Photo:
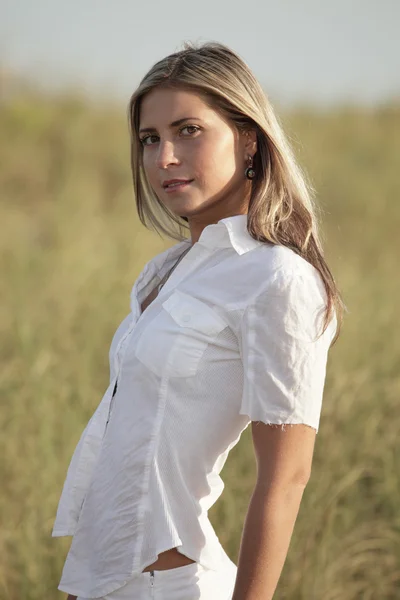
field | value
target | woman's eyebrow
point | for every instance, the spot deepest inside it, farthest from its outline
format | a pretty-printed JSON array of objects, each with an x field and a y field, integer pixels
[{"x": 173, "y": 124}]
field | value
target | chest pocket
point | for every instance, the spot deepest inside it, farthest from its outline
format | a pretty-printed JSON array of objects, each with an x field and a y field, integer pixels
[{"x": 178, "y": 335}]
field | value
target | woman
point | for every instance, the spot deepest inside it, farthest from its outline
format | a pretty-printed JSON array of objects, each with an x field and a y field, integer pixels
[{"x": 229, "y": 326}]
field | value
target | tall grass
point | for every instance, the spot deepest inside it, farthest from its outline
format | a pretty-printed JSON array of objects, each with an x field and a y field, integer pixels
[{"x": 71, "y": 248}]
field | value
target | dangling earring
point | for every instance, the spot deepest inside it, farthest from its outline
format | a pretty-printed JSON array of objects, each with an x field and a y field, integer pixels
[{"x": 250, "y": 172}]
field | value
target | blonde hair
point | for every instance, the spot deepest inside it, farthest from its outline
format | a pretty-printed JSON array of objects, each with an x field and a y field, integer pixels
[{"x": 281, "y": 208}]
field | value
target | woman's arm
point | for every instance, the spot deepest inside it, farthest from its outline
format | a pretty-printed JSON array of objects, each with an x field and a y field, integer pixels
[{"x": 284, "y": 456}]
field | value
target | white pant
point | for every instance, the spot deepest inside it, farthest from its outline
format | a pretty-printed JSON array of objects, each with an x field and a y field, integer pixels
[{"x": 190, "y": 582}]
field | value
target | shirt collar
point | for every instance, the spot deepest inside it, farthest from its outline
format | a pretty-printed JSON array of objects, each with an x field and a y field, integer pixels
[
  {"x": 227, "y": 233},
  {"x": 230, "y": 231}
]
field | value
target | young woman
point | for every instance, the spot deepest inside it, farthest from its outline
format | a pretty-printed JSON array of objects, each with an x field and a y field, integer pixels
[{"x": 230, "y": 325}]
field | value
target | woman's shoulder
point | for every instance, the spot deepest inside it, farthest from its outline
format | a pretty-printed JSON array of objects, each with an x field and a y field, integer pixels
[
  {"x": 279, "y": 265},
  {"x": 295, "y": 287}
]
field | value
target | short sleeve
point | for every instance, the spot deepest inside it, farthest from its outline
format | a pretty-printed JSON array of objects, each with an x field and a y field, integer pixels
[{"x": 284, "y": 360}]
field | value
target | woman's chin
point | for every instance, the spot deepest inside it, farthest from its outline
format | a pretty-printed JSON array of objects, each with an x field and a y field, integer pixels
[{"x": 183, "y": 208}]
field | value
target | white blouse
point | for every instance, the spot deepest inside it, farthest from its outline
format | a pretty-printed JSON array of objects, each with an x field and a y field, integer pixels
[{"x": 230, "y": 339}]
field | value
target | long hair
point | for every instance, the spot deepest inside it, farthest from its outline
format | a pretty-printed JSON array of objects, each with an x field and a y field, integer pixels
[{"x": 281, "y": 208}]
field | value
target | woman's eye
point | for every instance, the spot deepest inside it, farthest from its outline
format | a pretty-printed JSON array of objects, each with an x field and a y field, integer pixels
[
  {"x": 144, "y": 140},
  {"x": 190, "y": 127}
]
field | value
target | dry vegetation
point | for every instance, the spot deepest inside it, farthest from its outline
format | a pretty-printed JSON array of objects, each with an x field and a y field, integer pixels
[{"x": 71, "y": 248}]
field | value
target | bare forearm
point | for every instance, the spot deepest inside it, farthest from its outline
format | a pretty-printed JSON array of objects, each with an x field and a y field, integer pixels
[{"x": 265, "y": 540}]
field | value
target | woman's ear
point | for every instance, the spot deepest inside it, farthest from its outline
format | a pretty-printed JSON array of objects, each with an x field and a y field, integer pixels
[{"x": 250, "y": 142}]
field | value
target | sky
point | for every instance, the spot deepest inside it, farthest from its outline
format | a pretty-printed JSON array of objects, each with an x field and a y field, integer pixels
[{"x": 317, "y": 52}]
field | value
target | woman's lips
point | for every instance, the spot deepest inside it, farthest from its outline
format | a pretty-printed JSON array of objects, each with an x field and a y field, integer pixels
[{"x": 178, "y": 186}]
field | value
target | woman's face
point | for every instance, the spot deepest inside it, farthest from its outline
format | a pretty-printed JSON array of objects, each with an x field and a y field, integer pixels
[{"x": 183, "y": 138}]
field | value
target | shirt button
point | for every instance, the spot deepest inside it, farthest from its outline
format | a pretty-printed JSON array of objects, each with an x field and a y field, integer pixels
[{"x": 186, "y": 318}]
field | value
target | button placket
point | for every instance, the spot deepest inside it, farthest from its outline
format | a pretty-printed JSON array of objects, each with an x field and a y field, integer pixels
[{"x": 119, "y": 353}]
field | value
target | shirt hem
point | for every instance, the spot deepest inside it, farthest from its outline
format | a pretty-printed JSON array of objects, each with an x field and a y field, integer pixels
[{"x": 61, "y": 532}]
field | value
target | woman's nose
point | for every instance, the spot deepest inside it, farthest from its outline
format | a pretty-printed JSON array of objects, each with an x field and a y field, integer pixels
[{"x": 166, "y": 155}]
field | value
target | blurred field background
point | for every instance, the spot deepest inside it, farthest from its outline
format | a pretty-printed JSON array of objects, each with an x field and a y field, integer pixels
[{"x": 71, "y": 248}]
